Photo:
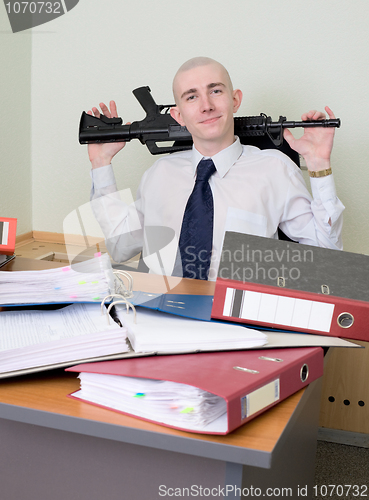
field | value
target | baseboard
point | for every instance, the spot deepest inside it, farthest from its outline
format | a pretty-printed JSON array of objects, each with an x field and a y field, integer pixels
[
  {"x": 23, "y": 239},
  {"x": 48, "y": 237},
  {"x": 61, "y": 238},
  {"x": 42, "y": 236},
  {"x": 68, "y": 239},
  {"x": 349, "y": 438}
]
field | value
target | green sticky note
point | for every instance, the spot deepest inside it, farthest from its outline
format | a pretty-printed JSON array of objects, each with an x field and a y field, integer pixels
[{"x": 187, "y": 410}]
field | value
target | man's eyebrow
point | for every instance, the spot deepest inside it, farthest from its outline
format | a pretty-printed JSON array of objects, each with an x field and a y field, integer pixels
[
  {"x": 217, "y": 84},
  {"x": 189, "y": 91},
  {"x": 209, "y": 86}
]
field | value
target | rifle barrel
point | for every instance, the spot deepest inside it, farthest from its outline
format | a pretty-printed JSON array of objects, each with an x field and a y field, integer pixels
[{"x": 336, "y": 122}]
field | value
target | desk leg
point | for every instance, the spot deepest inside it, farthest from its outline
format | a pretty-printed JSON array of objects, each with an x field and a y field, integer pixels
[{"x": 233, "y": 480}]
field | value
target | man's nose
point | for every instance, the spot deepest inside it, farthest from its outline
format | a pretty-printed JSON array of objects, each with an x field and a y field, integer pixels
[{"x": 206, "y": 104}]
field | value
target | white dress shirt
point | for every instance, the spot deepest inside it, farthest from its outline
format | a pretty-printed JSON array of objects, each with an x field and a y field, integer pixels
[{"x": 254, "y": 192}]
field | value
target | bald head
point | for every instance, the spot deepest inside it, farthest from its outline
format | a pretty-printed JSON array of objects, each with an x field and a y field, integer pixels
[
  {"x": 205, "y": 104},
  {"x": 197, "y": 62}
]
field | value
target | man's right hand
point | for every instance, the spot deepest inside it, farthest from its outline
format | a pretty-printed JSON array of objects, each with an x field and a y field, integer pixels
[{"x": 101, "y": 154}]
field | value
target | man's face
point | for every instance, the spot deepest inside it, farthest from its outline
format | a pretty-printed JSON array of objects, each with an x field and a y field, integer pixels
[{"x": 205, "y": 105}]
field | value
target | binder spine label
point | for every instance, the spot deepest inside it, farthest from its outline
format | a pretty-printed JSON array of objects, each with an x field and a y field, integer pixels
[
  {"x": 260, "y": 399},
  {"x": 278, "y": 309},
  {"x": 4, "y": 231}
]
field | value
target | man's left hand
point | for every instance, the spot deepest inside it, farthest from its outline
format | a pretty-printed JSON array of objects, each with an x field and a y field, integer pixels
[{"x": 316, "y": 143}]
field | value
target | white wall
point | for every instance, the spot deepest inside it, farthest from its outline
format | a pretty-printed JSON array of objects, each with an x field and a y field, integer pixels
[
  {"x": 287, "y": 56},
  {"x": 15, "y": 125}
]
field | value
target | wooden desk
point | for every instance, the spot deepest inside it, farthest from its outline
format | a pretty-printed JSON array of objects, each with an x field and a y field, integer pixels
[{"x": 54, "y": 447}]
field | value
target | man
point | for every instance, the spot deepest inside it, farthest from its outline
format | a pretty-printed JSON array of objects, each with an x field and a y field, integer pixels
[{"x": 246, "y": 190}]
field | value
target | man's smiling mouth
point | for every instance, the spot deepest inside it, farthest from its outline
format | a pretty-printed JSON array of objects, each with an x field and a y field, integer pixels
[{"x": 210, "y": 120}]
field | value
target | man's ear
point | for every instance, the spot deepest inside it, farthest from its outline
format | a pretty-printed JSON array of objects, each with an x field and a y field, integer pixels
[
  {"x": 237, "y": 99},
  {"x": 176, "y": 115}
]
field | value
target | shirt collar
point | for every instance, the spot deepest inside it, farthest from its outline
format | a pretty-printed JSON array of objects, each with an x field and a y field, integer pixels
[{"x": 222, "y": 160}]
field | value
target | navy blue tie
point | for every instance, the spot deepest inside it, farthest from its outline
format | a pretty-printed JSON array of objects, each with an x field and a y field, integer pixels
[{"x": 196, "y": 239}]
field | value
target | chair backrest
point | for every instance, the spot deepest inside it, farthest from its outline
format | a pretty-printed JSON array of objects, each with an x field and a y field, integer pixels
[{"x": 263, "y": 142}]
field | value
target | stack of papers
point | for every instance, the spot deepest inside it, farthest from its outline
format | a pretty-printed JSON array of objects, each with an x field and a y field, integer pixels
[
  {"x": 88, "y": 281},
  {"x": 168, "y": 403},
  {"x": 79, "y": 332},
  {"x": 161, "y": 332}
]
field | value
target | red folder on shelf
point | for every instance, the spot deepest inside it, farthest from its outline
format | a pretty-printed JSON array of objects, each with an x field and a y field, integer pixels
[
  {"x": 291, "y": 286},
  {"x": 249, "y": 382},
  {"x": 8, "y": 229}
]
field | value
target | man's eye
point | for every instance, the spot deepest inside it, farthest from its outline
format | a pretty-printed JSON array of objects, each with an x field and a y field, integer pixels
[
  {"x": 217, "y": 91},
  {"x": 191, "y": 98}
]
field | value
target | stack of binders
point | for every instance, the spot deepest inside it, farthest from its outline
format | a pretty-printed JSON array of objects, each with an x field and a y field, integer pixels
[
  {"x": 292, "y": 286},
  {"x": 272, "y": 284}
]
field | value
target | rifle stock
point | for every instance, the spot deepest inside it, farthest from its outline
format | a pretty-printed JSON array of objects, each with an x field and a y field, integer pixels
[{"x": 158, "y": 127}]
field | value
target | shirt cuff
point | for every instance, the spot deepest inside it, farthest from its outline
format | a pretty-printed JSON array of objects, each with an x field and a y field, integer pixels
[
  {"x": 324, "y": 190},
  {"x": 103, "y": 177}
]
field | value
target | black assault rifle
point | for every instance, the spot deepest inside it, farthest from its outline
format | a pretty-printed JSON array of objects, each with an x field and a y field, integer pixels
[{"x": 159, "y": 127}]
